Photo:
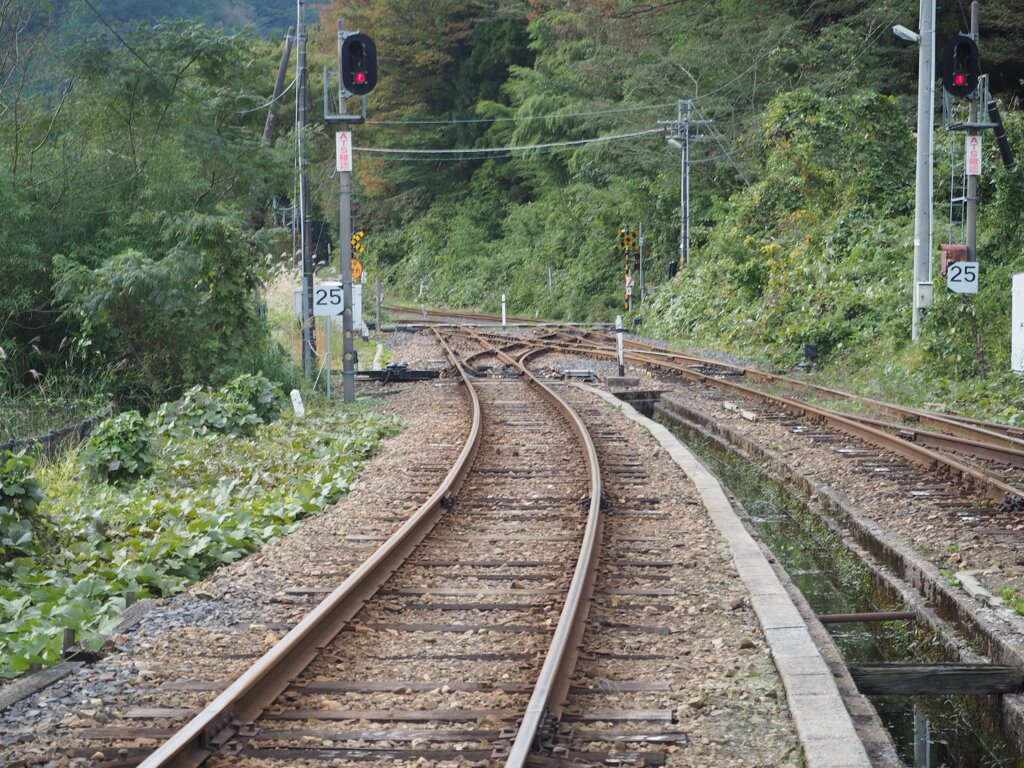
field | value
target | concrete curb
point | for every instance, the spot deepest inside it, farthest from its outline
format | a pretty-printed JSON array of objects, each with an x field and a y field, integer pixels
[{"x": 824, "y": 726}]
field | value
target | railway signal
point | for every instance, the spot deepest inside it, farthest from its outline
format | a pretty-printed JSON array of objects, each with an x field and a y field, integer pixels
[
  {"x": 960, "y": 66},
  {"x": 358, "y": 64}
]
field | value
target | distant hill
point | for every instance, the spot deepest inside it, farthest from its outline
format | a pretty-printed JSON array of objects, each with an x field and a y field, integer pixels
[{"x": 270, "y": 18}]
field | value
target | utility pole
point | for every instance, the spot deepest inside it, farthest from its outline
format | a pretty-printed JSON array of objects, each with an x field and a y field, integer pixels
[
  {"x": 684, "y": 184},
  {"x": 680, "y": 139},
  {"x": 282, "y": 72},
  {"x": 971, "y": 230},
  {"x": 308, "y": 330},
  {"x": 925, "y": 178}
]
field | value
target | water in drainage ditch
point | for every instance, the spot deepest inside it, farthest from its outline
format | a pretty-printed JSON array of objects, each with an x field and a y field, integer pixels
[{"x": 950, "y": 732}]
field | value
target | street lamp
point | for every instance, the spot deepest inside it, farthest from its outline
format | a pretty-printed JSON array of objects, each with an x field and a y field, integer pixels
[{"x": 925, "y": 39}]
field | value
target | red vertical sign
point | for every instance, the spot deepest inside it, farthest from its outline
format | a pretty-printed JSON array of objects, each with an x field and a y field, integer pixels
[{"x": 343, "y": 150}]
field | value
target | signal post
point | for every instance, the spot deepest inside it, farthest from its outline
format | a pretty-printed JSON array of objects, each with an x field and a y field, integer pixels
[{"x": 357, "y": 71}]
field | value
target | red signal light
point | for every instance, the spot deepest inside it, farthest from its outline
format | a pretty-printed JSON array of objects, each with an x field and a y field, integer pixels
[
  {"x": 960, "y": 79},
  {"x": 360, "y": 78}
]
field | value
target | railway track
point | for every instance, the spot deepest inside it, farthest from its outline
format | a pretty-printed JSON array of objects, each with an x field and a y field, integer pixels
[
  {"x": 504, "y": 556},
  {"x": 984, "y": 456}
]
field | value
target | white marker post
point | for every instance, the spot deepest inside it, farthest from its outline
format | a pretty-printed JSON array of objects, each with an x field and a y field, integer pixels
[
  {"x": 618, "y": 344},
  {"x": 503, "y": 311},
  {"x": 1017, "y": 332}
]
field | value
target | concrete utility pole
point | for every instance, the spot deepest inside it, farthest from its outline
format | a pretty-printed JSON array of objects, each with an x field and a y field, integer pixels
[
  {"x": 971, "y": 229},
  {"x": 925, "y": 178},
  {"x": 308, "y": 330},
  {"x": 282, "y": 72},
  {"x": 680, "y": 139}
]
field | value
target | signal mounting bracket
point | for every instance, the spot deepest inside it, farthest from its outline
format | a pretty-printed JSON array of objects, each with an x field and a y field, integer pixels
[{"x": 343, "y": 118}]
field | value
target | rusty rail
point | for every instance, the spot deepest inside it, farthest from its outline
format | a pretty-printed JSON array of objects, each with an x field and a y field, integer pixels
[
  {"x": 249, "y": 695},
  {"x": 993, "y": 487},
  {"x": 552, "y": 686}
]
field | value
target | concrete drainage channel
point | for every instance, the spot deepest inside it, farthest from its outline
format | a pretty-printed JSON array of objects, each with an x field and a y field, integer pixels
[{"x": 845, "y": 563}]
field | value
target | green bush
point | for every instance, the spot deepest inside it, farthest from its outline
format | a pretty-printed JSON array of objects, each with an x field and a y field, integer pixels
[
  {"x": 22, "y": 527},
  {"x": 235, "y": 409},
  {"x": 120, "y": 448},
  {"x": 263, "y": 396}
]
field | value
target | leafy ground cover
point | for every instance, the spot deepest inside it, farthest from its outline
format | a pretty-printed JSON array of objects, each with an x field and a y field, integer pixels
[{"x": 211, "y": 498}]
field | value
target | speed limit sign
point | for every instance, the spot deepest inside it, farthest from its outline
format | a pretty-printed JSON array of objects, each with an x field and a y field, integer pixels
[{"x": 962, "y": 277}]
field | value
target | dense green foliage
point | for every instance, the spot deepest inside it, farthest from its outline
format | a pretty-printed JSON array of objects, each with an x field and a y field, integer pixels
[
  {"x": 801, "y": 181},
  {"x": 120, "y": 448},
  {"x": 22, "y": 527},
  {"x": 136, "y": 193},
  {"x": 210, "y": 499},
  {"x": 141, "y": 152}
]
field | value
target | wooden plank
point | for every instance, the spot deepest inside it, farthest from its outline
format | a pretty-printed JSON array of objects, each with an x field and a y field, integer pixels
[
  {"x": 640, "y": 630},
  {"x": 457, "y": 592},
  {"x": 844, "y": 618},
  {"x": 119, "y": 732},
  {"x": 378, "y": 734},
  {"x": 577, "y": 758},
  {"x": 401, "y": 686},
  {"x": 419, "y": 686},
  {"x": 621, "y": 716},
  {"x": 923, "y": 679},
  {"x": 161, "y": 713},
  {"x": 467, "y": 715},
  {"x": 456, "y": 628},
  {"x": 29, "y": 684},
  {"x": 464, "y": 657},
  {"x": 484, "y": 563},
  {"x": 646, "y": 563},
  {"x": 325, "y": 754},
  {"x": 399, "y": 715},
  {"x": 114, "y": 733},
  {"x": 468, "y": 606}
]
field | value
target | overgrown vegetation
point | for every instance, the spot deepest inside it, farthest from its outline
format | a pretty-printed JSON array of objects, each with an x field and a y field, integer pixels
[
  {"x": 802, "y": 181},
  {"x": 214, "y": 490}
]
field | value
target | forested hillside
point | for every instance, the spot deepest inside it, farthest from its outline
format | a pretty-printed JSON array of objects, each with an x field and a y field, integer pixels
[
  {"x": 802, "y": 178},
  {"x": 522, "y": 135},
  {"x": 73, "y": 20}
]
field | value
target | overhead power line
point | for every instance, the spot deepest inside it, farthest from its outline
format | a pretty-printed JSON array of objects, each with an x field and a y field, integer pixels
[
  {"x": 460, "y": 121},
  {"x": 269, "y": 103},
  {"x": 498, "y": 150}
]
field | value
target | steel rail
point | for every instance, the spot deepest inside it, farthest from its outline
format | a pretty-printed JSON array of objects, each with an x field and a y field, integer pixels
[
  {"x": 552, "y": 686},
  {"x": 980, "y": 431},
  {"x": 966, "y": 439},
  {"x": 256, "y": 688},
  {"x": 993, "y": 487}
]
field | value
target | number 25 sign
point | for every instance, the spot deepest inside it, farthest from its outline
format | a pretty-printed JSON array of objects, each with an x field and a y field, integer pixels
[{"x": 962, "y": 277}]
